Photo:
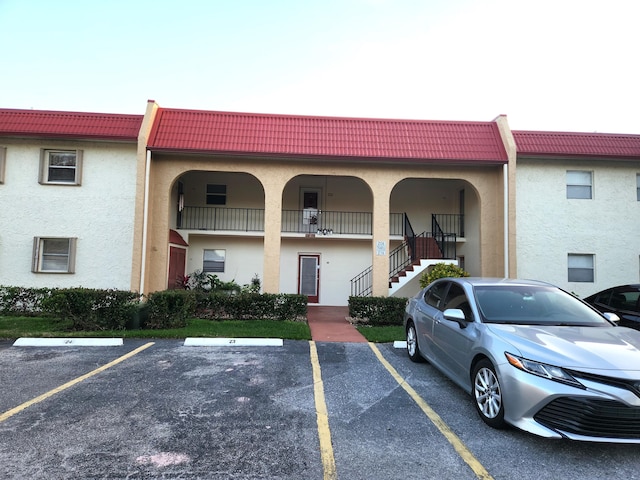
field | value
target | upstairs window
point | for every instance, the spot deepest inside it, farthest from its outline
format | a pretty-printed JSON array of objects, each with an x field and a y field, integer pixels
[
  {"x": 638, "y": 186},
  {"x": 54, "y": 255},
  {"x": 3, "y": 154},
  {"x": 580, "y": 268},
  {"x": 213, "y": 261},
  {"x": 579, "y": 184},
  {"x": 216, "y": 194},
  {"x": 60, "y": 167}
]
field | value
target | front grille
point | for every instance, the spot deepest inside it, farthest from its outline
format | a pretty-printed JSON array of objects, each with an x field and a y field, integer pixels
[{"x": 591, "y": 418}]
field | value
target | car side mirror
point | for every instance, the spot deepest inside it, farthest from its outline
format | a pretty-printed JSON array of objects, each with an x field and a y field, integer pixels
[
  {"x": 612, "y": 317},
  {"x": 456, "y": 315}
]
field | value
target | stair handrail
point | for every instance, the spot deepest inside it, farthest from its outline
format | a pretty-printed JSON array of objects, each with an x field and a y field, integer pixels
[
  {"x": 362, "y": 284},
  {"x": 441, "y": 239}
]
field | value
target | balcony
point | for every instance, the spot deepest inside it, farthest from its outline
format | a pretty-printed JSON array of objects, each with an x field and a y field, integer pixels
[{"x": 322, "y": 222}]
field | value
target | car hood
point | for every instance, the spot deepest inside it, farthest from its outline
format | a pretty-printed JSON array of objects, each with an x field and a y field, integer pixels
[{"x": 589, "y": 349}]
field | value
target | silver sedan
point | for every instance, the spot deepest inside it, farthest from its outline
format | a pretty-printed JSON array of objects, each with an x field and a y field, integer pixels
[{"x": 532, "y": 356}]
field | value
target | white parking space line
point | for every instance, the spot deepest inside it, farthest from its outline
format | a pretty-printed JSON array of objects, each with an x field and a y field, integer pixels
[
  {"x": 232, "y": 342},
  {"x": 68, "y": 342}
]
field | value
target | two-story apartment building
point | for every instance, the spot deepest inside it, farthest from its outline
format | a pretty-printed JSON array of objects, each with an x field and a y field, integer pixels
[
  {"x": 309, "y": 203},
  {"x": 67, "y": 196},
  {"x": 578, "y": 209},
  {"x": 323, "y": 206}
]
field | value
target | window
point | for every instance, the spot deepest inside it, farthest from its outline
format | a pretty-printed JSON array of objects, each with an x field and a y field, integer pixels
[
  {"x": 3, "y": 154},
  {"x": 638, "y": 186},
  {"x": 581, "y": 267},
  {"x": 434, "y": 296},
  {"x": 216, "y": 194},
  {"x": 579, "y": 184},
  {"x": 60, "y": 167},
  {"x": 213, "y": 261},
  {"x": 456, "y": 298},
  {"x": 54, "y": 255}
]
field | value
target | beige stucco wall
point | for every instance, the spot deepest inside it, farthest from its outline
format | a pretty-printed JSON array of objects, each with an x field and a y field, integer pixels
[
  {"x": 274, "y": 176},
  {"x": 140, "y": 214}
]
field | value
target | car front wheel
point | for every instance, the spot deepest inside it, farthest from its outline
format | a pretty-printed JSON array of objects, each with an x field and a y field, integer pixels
[
  {"x": 412, "y": 343},
  {"x": 488, "y": 394}
]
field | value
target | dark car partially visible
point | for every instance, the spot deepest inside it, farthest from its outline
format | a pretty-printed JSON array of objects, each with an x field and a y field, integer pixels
[{"x": 623, "y": 300}]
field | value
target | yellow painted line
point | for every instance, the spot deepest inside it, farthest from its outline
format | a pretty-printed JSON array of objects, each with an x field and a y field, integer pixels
[
  {"x": 50, "y": 393},
  {"x": 453, "y": 439},
  {"x": 324, "y": 434}
]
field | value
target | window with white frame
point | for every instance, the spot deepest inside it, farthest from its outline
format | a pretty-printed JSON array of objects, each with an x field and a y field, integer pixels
[
  {"x": 216, "y": 194},
  {"x": 579, "y": 184},
  {"x": 213, "y": 261},
  {"x": 61, "y": 167},
  {"x": 580, "y": 267},
  {"x": 3, "y": 154},
  {"x": 54, "y": 255}
]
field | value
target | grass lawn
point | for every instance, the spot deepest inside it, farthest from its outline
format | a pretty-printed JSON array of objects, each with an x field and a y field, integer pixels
[
  {"x": 386, "y": 334},
  {"x": 16, "y": 327}
]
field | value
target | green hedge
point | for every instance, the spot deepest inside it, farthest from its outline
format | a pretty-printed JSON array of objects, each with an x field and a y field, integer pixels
[
  {"x": 377, "y": 310},
  {"x": 169, "y": 309},
  {"x": 91, "y": 309},
  {"x": 250, "y": 306},
  {"x": 22, "y": 301}
]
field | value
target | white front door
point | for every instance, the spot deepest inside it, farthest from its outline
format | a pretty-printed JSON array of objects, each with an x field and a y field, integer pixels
[{"x": 309, "y": 276}]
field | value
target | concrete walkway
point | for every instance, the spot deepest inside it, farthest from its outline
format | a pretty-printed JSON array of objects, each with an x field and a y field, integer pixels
[{"x": 330, "y": 324}]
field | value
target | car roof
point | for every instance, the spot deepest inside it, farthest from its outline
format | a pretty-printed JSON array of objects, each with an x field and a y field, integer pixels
[
  {"x": 629, "y": 286},
  {"x": 496, "y": 281}
]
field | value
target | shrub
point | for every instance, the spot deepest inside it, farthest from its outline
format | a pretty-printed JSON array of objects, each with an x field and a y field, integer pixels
[
  {"x": 441, "y": 270},
  {"x": 250, "y": 306},
  {"x": 377, "y": 310},
  {"x": 22, "y": 301},
  {"x": 170, "y": 309},
  {"x": 205, "y": 282},
  {"x": 90, "y": 309}
]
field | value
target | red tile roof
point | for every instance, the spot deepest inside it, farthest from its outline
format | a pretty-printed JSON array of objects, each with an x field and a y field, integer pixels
[
  {"x": 601, "y": 145},
  {"x": 50, "y": 124},
  {"x": 333, "y": 137}
]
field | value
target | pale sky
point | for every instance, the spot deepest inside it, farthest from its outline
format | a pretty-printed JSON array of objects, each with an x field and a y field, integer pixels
[{"x": 560, "y": 65}]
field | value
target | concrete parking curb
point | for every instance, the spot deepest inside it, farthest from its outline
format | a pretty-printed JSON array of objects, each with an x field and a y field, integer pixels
[
  {"x": 399, "y": 344},
  {"x": 68, "y": 342},
  {"x": 232, "y": 342}
]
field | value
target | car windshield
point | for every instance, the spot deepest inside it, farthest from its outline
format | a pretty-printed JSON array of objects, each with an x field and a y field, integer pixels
[{"x": 534, "y": 305}]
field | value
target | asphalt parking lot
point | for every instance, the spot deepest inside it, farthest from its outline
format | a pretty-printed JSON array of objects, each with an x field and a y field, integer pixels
[{"x": 303, "y": 410}]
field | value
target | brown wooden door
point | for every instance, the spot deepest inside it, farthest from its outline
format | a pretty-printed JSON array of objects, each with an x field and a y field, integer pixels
[{"x": 177, "y": 262}]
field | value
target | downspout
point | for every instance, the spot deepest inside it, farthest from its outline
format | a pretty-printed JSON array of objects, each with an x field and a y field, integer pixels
[
  {"x": 145, "y": 221},
  {"x": 505, "y": 177}
]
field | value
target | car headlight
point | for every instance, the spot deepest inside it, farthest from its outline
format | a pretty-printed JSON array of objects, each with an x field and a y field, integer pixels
[{"x": 543, "y": 370}]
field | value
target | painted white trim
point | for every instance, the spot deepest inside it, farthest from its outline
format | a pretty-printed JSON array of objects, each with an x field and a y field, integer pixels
[
  {"x": 145, "y": 220},
  {"x": 68, "y": 342},
  {"x": 232, "y": 342},
  {"x": 505, "y": 175}
]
